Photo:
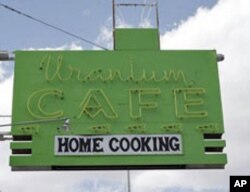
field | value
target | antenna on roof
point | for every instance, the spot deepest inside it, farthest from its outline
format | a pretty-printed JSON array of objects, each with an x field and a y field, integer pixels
[{"x": 152, "y": 6}]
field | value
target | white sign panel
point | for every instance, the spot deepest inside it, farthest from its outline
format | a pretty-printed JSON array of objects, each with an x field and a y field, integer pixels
[{"x": 118, "y": 145}]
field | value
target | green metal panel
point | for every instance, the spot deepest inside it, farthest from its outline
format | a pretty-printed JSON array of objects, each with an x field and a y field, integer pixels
[
  {"x": 137, "y": 39},
  {"x": 117, "y": 93}
]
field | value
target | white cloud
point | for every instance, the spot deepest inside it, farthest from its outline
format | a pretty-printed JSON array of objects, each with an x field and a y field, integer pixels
[
  {"x": 101, "y": 185},
  {"x": 2, "y": 72},
  {"x": 71, "y": 46},
  {"x": 200, "y": 180},
  {"x": 226, "y": 27},
  {"x": 5, "y": 109},
  {"x": 105, "y": 38},
  {"x": 5, "y": 99},
  {"x": 59, "y": 181},
  {"x": 145, "y": 23}
]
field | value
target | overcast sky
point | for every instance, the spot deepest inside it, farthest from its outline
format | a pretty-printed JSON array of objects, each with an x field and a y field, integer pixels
[{"x": 223, "y": 25}]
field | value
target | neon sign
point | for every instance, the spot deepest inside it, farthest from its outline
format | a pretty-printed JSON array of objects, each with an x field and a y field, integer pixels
[{"x": 119, "y": 106}]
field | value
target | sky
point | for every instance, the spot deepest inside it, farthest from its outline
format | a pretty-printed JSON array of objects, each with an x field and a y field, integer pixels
[{"x": 223, "y": 25}]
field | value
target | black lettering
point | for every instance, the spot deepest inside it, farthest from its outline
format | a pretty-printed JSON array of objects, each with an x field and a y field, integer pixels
[
  {"x": 111, "y": 144},
  {"x": 136, "y": 144},
  {"x": 145, "y": 144},
  {"x": 163, "y": 144},
  {"x": 63, "y": 145},
  {"x": 96, "y": 145},
  {"x": 124, "y": 144},
  {"x": 155, "y": 144},
  {"x": 85, "y": 145},
  {"x": 174, "y": 144},
  {"x": 73, "y": 145}
]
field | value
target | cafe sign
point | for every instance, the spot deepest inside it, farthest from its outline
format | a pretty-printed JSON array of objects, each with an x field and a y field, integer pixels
[{"x": 127, "y": 108}]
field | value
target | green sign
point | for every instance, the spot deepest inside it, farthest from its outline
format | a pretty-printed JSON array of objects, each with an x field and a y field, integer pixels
[{"x": 117, "y": 109}]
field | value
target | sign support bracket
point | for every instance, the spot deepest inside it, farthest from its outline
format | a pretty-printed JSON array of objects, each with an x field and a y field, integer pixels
[
  {"x": 5, "y": 135},
  {"x": 128, "y": 181}
]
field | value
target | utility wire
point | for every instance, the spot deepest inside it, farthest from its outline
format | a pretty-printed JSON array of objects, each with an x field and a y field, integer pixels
[{"x": 51, "y": 26}]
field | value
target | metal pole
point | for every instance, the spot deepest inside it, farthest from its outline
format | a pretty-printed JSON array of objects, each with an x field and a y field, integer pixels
[
  {"x": 5, "y": 116},
  {"x": 6, "y": 56},
  {"x": 157, "y": 14},
  {"x": 128, "y": 180},
  {"x": 220, "y": 57},
  {"x": 5, "y": 135},
  {"x": 114, "y": 23},
  {"x": 157, "y": 22},
  {"x": 34, "y": 122}
]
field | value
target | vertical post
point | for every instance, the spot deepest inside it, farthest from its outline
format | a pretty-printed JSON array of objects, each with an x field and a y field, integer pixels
[
  {"x": 157, "y": 14},
  {"x": 157, "y": 21},
  {"x": 128, "y": 180},
  {"x": 114, "y": 23}
]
